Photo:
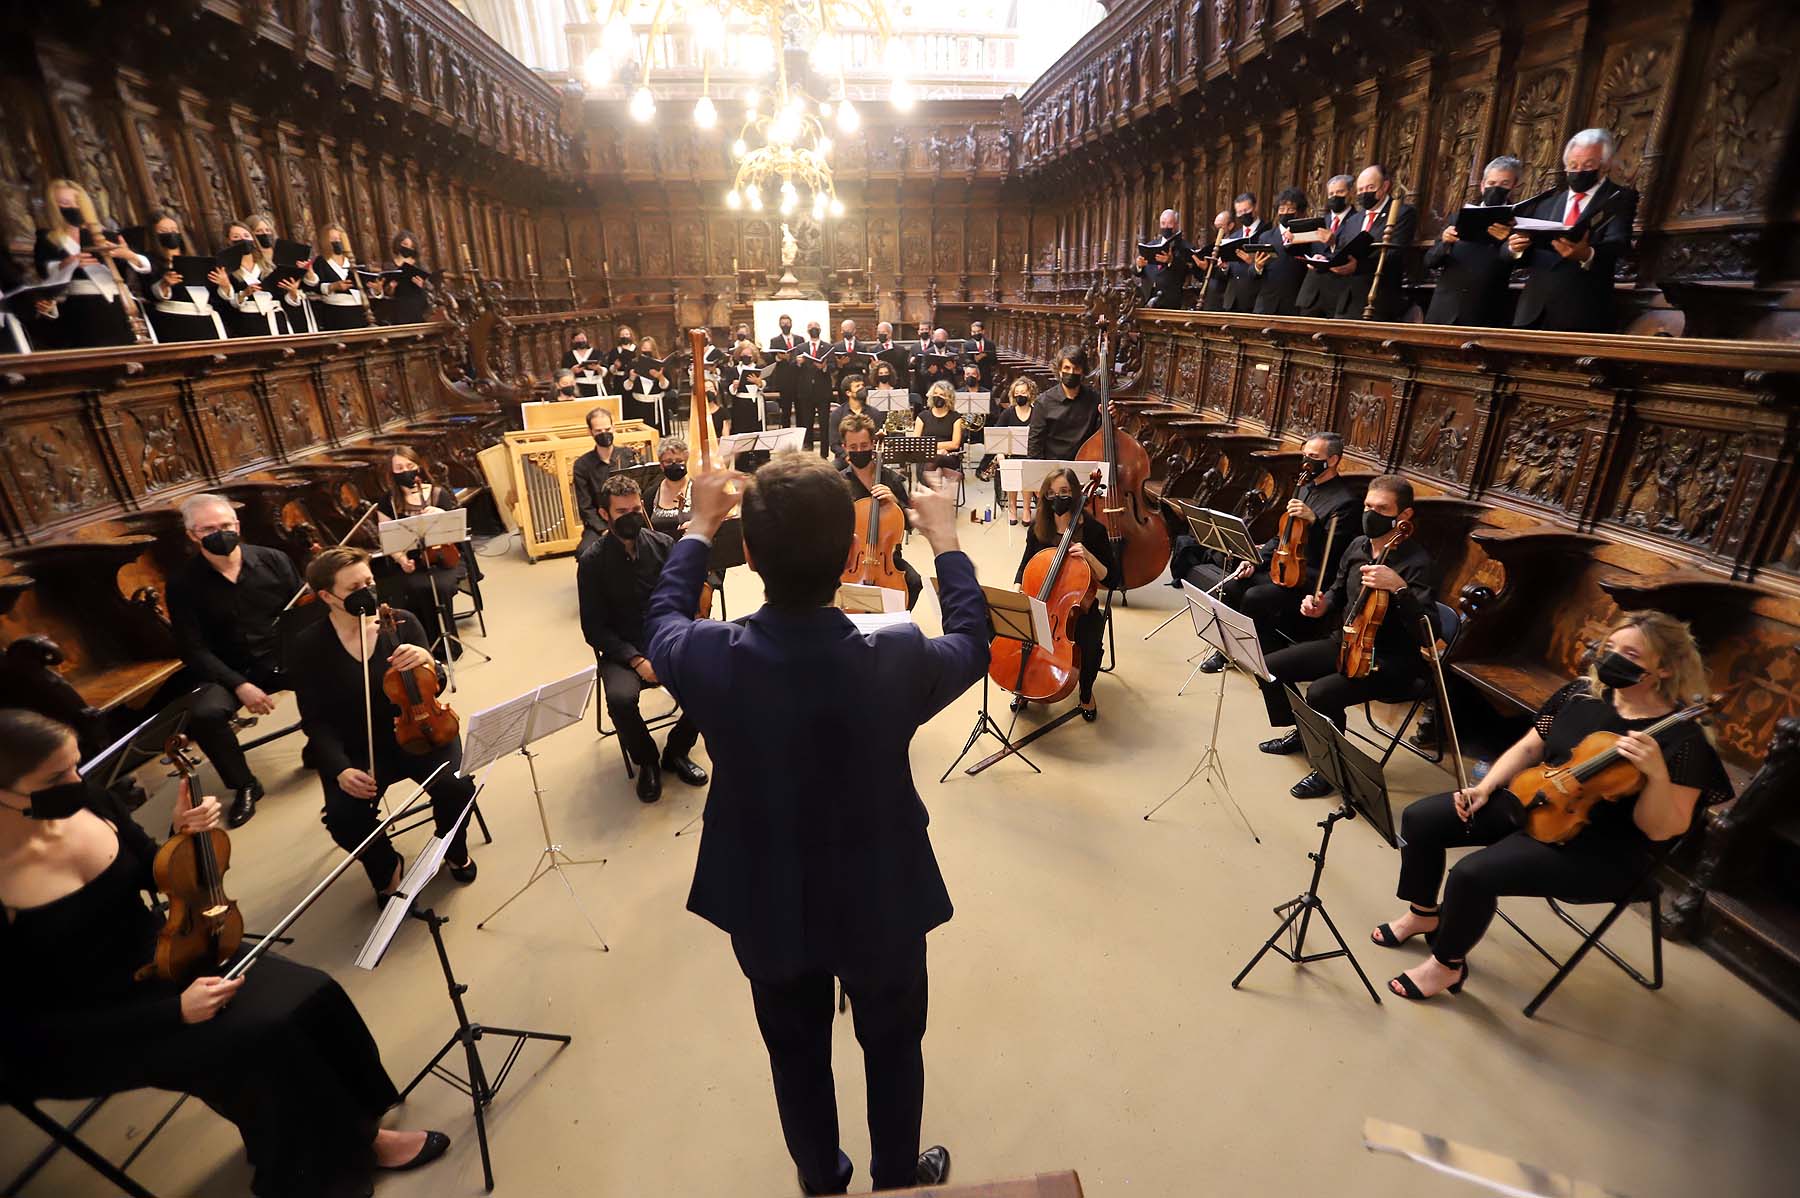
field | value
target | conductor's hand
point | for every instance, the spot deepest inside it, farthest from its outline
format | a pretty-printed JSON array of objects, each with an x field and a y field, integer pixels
[
  {"x": 934, "y": 515},
  {"x": 1451, "y": 236},
  {"x": 1312, "y": 607},
  {"x": 645, "y": 670},
  {"x": 356, "y": 783},
  {"x": 254, "y": 698},
  {"x": 715, "y": 495},
  {"x": 201, "y": 817},
  {"x": 409, "y": 657},
  {"x": 1382, "y": 578},
  {"x": 880, "y": 494},
  {"x": 1296, "y": 508},
  {"x": 206, "y": 997},
  {"x": 1469, "y": 801}
]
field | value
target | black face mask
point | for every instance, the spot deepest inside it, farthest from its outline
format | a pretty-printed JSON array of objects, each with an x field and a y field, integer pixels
[
  {"x": 1248, "y": 219},
  {"x": 1494, "y": 196},
  {"x": 337, "y": 247},
  {"x": 1070, "y": 379},
  {"x": 565, "y": 390},
  {"x": 813, "y": 334},
  {"x": 1618, "y": 671},
  {"x": 604, "y": 440},
  {"x": 629, "y": 525},
  {"x": 1062, "y": 505},
  {"x": 1583, "y": 181},
  {"x": 674, "y": 471},
  {"x": 1171, "y": 234},
  {"x": 1338, "y": 203},
  {"x": 221, "y": 541},
  {"x": 860, "y": 457},
  {"x": 239, "y": 249},
  {"x": 406, "y": 251},
  {"x": 626, "y": 343},
  {"x": 406, "y": 479},
  {"x": 265, "y": 240},
  {"x": 71, "y": 215},
  {"x": 169, "y": 241},
  {"x": 1285, "y": 217},
  {"x": 581, "y": 345},
  {"x": 786, "y": 329},
  {"x": 1368, "y": 199},
  {"x": 58, "y": 801},
  {"x": 855, "y": 397},
  {"x": 1376, "y": 525},
  {"x": 362, "y": 602},
  {"x": 1021, "y": 401}
]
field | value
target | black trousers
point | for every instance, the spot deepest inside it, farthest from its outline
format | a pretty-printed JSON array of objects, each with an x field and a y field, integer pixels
[
  {"x": 1331, "y": 694},
  {"x": 888, "y": 1003},
  {"x": 350, "y": 819},
  {"x": 807, "y": 409},
  {"x": 210, "y": 726},
  {"x": 1595, "y": 867},
  {"x": 1271, "y": 607},
  {"x": 422, "y": 590},
  {"x": 623, "y": 688},
  {"x": 1090, "y": 638}
]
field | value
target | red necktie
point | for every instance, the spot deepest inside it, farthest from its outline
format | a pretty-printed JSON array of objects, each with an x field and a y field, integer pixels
[
  {"x": 1575, "y": 208},
  {"x": 1334, "y": 223}
]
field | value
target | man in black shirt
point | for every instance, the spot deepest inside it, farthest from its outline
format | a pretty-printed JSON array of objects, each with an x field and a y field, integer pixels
[
  {"x": 1328, "y": 506},
  {"x": 224, "y": 605},
  {"x": 613, "y": 580},
  {"x": 858, "y": 433},
  {"x": 1067, "y": 412},
  {"x": 1407, "y": 577},
  {"x": 592, "y": 469}
]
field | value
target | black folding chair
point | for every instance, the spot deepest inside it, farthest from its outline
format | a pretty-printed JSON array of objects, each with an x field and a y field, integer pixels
[
  {"x": 654, "y": 723},
  {"x": 1423, "y": 693},
  {"x": 67, "y": 1136}
]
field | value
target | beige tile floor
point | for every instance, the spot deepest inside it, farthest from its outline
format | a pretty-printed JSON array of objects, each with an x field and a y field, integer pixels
[{"x": 1081, "y": 1015}]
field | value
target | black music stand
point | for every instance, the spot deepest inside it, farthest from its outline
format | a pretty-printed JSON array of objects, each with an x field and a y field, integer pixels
[
  {"x": 727, "y": 552},
  {"x": 1326, "y": 748},
  {"x": 1009, "y": 618},
  {"x": 1221, "y": 532}
]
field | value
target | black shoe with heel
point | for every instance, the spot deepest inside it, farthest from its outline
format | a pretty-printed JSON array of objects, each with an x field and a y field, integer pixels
[
  {"x": 1384, "y": 935},
  {"x": 1411, "y": 992}
]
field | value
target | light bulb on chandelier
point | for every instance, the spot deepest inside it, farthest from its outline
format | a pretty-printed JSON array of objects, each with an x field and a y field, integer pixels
[
  {"x": 836, "y": 207},
  {"x": 596, "y": 68},
  {"x": 902, "y": 94},
  {"x": 617, "y": 38},
  {"x": 739, "y": 148},
  {"x": 734, "y": 199},
  {"x": 643, "y": 105},
  {"x": 818, "y": 205},
  {"x": 824, "y": 146},
  {"x": 848, "y": 119},
  {"x": 705, "y": 115}
]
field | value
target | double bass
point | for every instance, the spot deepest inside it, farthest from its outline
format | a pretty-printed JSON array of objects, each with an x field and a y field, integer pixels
[
  {"x": 1288, "y": 565},
  {"x": 1140, "y": 537},
  {"x": 204, "y": 927},
  {"x": 880, "y": 527},
  {"x": 1066, "y": 587},
  {"x": 1356, "y": 652}
]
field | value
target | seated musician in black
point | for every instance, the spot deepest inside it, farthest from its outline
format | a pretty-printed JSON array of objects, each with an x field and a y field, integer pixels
[
  {"x": 1407, "y": 578},
  {"x": 856, "y": 403},
  {"x": 613, "y": 581},
  {"x": 592, "y": 469},
  {"x": 1067, "y": 412},
  {"x": 1059, "y": 502},
  {"x": 858, "y": 432},
  {"x": 343, "y": 709},
  {"x": 415, "y": 579},
  {"x": 224, "y": 604},
  {"x": 1648, "y": 667},
  {"x": 1329, "y": 508},
  {"x": 281, "y": 1051}
]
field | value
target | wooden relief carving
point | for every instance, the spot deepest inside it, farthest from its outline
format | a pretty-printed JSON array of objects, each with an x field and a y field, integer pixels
[
  {"x": 1216, "y": 395},
  {"x": 303, "y": 207},
  {"x": 1187, "y": 375},
  {"x": 256, "y": 178},
  {"x": 881, "y": 244},
  {"x": 1155, "y": 374},
  {"x": 847, "y": 246},
  {"x": 915, "y": 248},
  {"x": 21, "y": 178},
  {"x": 1402, "y": 153},
  {"x": 96, "y": 165},
  {"x": 1631, "y": 83},
  {"x": 1439, "y": 441},
  {"x": 385, "y": 391},
  {"x": 1309, "y": 401},
  {"x": 621, "y": 247},
  {"x": 758, "y": 253},
  {"x": 233, "y": 428},
  {"x": 1367, "y": 405},
  {"x": 1760, "y": 685},
  {"x": 1679, "y": 481},
  {"x": 690, "y": 247},
  {"x": 1458, "y": 150},
  {"x": 948, "y": 247},
  {"x": 1259, "y": 396},
  {"x": 1731, "y": 163},
  {"x": 655, "y": 238},
  {"x": 1540, "y": 453},
  {"x": 55, "y": 471},
  {"x": 1224, "y": 25},
  {"x": 421, "y": 383},
  {"x": 166, "y": 194},
  {"x": 724, "y": 245},
  {"x": 157, "y": 447},
  {"x": 296, "y": 416},
  {"x": 1535, "y": 131}
]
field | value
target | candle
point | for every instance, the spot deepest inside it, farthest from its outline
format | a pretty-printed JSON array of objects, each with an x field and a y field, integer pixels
[
  {"x": 734, "y": 266},
  {"x": 568, "y": 266},
  {"x": 994, "y": 267},
  {"x": 467, "y": 261},
  {"x": 530, "y": 266},
  {"x": 605, "y": 268}
]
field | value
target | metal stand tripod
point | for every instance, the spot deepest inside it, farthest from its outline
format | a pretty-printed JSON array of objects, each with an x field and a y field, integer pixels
[
  {"x": 550, "y": 861},
  {"x": 1301, "y": 908}
]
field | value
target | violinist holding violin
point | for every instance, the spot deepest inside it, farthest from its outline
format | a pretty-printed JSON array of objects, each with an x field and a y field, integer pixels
[
  {"x": 281, "y": 1052},
  {"x": 1648, "y": 666},
  {"x": 1405, "y": 575},
  {"x": 418, "y": 579},
  {"x": 885, "y": 487},
  {"x": 343, "y": 709}
]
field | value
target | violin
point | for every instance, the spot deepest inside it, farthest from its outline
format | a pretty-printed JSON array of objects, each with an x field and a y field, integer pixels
[
  {"x": 880, "y": 527},
  {"x": 1288, "y": 566},
  {"x": 432, "y": 557},
  {"x": 1559, "y": 799},
  {"x": 421, "y": 723},
  {"x": 1356, "y": 652},
  {"x": 204, "y": 927},
  {"x": 1066, "y": 588},
  {"x": 1140, "y": 537}
]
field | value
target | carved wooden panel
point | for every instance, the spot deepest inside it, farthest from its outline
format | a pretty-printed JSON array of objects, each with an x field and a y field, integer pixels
[
  {"x": 653, "y": 236},
  {"x": 52, "y": 467},
  {"x": 1440, "y": 435},
  {"x": 1370, "y": 414},
  {"x": 153, "y": 442},
  {"x": 232, "y": 424},
  {"x": 1542, "y": 446},
  {"x": 346, "y": 407},
  {"x": 1741, "y": 128},
  {"x": 1678, "y": 480},
  {"x": 294, "y": 405},
  {"x": 1309, "y": 400}
]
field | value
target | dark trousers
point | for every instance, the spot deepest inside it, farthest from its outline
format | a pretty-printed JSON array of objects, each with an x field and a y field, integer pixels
[
  {"x": 210, "y": 725},
  {"x": 1592, "y": 868},
  {"x": 422, "y": 590},
  {"x": 807, "y": 409},
  {"x": 1270, "y": 606},
  {"x": 350, "y": 819},
  {"x": 1331, "y": 694},
  {"x": 623, "y": 688},
  {"x": 1090, "y": 638},
  {"x": 888, "y": 1003}
]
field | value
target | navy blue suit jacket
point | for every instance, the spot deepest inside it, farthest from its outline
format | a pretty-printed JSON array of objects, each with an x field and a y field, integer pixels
[{"x": 815, "y": 854}]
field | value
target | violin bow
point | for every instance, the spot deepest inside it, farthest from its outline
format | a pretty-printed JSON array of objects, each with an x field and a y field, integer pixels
[
  {"x": 367, "y": 512},
  {"x": 1319, "y": 582},
  {"x": 1443, "y": 692}
]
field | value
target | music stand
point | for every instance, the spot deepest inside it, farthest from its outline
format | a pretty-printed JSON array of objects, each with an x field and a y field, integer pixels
[
  {"x": 512, "y": 727},
  {"x": 1356, "y": 775},
  {"x": 972, "y": 404},
  {"x": 420, "y": 533},
  {"x": 1220, "y": 532},
  {"x": 1233, "y": 634},
  {"x": 889, "y": 399},
  {"x": 1013, "y": 616},
  {"x": 1325, "y": 747},
  {"x": 108, "y": 765}
]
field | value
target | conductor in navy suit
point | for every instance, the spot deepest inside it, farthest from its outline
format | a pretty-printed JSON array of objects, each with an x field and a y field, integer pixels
[{"x": 815, "y": 856}]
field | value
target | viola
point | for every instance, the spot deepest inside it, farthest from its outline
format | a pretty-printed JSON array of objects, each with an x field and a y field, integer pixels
[
  {"x": 880, "y": 527},
  {"x": 1559, "y": 800},
  {"x": 1066, "y": 587},
  {"x": 1288, "y": 566},
  {"x": 204, "y": 926},
  {"x": 421, "y": 722},
  {"x": 1356, "y": 652},
  {"x": 1140, "y": 537}
]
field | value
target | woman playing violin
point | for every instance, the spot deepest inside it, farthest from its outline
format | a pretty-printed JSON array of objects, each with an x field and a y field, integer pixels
[
  {"x": 281, "y": 1052},
  {"x": 417, "y": 579},
  {"x": 1059, "y": 502},
  {"x": 1647, "y": 667}
]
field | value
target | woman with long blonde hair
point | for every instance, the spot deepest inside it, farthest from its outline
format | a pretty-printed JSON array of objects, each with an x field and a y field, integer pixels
[
  {"x": 337, "y": 296},
  {"x": 287, "y": 287},
  {"x": 92, "y": 311},
  {"x": 1646, "y": 668}
]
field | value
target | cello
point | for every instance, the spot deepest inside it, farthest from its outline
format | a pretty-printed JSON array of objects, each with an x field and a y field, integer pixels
[
  {"x": 1288, "y": 566},
  {"x": 1049, "y": 672},
  {"x": 204, "y": 927},
  {"x": 1140, "y": 538},
  {"x": 878, "y": 532},
  {"x": 1356, "y": 651}
]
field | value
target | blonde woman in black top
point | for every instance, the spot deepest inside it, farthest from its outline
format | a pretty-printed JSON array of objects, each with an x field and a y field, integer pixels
[{"x": 939, "y": 421}]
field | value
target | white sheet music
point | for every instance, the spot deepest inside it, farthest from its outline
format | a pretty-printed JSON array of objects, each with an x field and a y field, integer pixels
[
  {"x": 430, "y": 528},
  {"x": 859, "y": 599},
  {"x": 775, "y": 440},
  {"x": 972, "y": 403},
  {"x": 868, "y": 622},
  {"x": 1013, "y": 440},
  {"x": 1226, "y": 629},
  {"x": 561, "y": 703},
  {"x": 493, "y": 732},
  {"x": 889, "y": 399}
]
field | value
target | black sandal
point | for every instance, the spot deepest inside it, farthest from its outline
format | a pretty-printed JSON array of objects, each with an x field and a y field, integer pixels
[
  {"x": 1384, "y": 935},
  {"x": 1410, "y": 991}
]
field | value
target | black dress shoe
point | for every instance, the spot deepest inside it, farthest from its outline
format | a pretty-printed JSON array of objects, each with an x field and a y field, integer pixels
[
  {"x": 243, "y": 805},
  {"x": 464, "y": 873},
  {"x": 1311, "y": 786},
  {"x": 845, "y": 1171},
  {"x": 1283, "y": 745},
  {"x": 435, "y": 1145},
  {"x": 683, "y": 767},
  {"x": 934, "y": 1166},
  {"x": 1213, "y": 664},
  {"x": 649, "y": 782}
]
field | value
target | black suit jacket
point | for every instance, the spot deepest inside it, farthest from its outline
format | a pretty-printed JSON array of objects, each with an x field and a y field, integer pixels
[
  {"x": 1241, "y": 290},
  {"x": 1391, "y": 300},
  {"x": 586, "y": 476},
  {"x": 784, "y": 377},
  {"x": 1281, "y": 279},
  {"x": 1472, "y": 284},
  {"x": 1561, "y": 294},
  {"x": 1320, "y": 290}
]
